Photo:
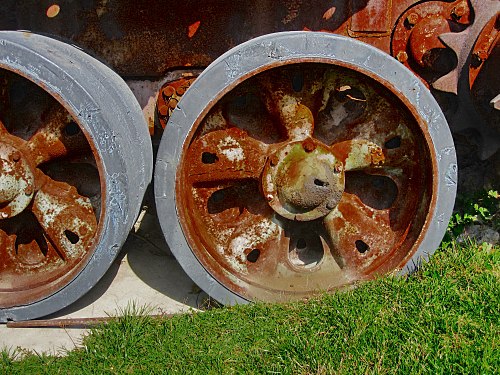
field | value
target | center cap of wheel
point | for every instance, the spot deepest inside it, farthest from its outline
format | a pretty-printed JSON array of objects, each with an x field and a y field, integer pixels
[
  {"x": 16, "y": 181},
  {"x": 303, "y": 180}
]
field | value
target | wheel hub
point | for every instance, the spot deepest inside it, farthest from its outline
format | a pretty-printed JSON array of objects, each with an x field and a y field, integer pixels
[
  {"x": 303, "y": 181},
  {"x": 16, "y": 181}
]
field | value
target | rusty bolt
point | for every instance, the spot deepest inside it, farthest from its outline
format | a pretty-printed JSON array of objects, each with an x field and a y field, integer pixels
[
  {"x": 172, "y": 103},
  {"x": 459, "y": 11},
  {"x": 163, "y": 110},
  {"x": 337, "y": 168},
  {"x": 16, "y": 156},
  {"x": 412, "y": 19},
  {"x": 308, "y": 145},
  {"x": 269, "y": 197},
  {"x": 402, "y": 56},
  {"x": 4, "y": 215},
  {"x": 180, "y": 90},
  {"x": 168, "y": 91}
]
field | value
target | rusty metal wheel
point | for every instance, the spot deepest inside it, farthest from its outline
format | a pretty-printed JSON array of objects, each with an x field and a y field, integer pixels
[
  {"x": 71, "y": 185},
  {"x": 302, "y": 162}
]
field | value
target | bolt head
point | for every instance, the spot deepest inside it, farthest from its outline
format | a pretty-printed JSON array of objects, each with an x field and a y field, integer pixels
[
  {"x": 459, "y": 10},
  {"x": 402, "y": 56},
  {"x": 412, "y": 19}
]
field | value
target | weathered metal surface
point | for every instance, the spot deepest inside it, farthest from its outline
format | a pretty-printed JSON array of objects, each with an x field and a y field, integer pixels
[
  {"x": 266, "y": 222},
  {"x": 143, "y": 38},
  {"x": 415, "y": 40},
  {"x": 149, "y": 39},
  {"x": 298, "y": 175},
  {"x": 484, "y": 80},
  {"x": 47, "y": 227},
  {"x": 463, "y": 111},
  {"x": 169, "y": 95}
]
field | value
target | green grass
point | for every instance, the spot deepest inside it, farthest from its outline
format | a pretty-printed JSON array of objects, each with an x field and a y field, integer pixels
[{"x": 443, "y": 319}]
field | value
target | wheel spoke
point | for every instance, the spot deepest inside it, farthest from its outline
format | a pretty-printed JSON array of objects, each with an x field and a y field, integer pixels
[
  {"x": 58, "y": 136},
  {"x": 360, "y": 234},
  {"x": 225, "y": 155},
  {"x": 66, "y": 217},
  {"x": 253, "y": 246},
  {"x": 291, "y": 111},
  {"x": 358, "y": 154}
]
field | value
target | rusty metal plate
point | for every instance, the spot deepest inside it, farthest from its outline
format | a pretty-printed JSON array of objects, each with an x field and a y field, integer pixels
[
  {"x": 305, "y": 170},
  {"x": 144, "y": 38}
]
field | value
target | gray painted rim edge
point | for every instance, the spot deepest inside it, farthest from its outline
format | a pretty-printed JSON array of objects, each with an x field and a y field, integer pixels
[{"x": 265, "y": 51}]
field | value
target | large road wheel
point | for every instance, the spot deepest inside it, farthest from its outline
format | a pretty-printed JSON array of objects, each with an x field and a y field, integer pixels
[
  {"x": 76, "y": 159},
  {"x": 302, "y": 162}
]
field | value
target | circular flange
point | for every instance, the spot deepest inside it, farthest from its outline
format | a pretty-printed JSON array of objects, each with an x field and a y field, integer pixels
[
  {"x": 303, "y": 180},
  {"x": 372, "y": 118},
  {"x": 72, "y": 120}
]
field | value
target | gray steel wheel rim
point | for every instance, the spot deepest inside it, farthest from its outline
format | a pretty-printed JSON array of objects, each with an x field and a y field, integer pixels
[
  {"x": 268, "y": 50},
  {"x": 113, "y": 121}
]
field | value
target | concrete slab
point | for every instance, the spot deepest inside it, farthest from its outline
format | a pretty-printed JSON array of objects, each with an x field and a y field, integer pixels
[{"x": 145, "y": 274}]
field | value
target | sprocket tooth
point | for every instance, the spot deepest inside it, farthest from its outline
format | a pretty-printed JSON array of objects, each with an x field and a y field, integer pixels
[
  {"x": 455, "y": 41},
  {"x": 495, "y": 102},
  {"x": 447, "y": 83}
]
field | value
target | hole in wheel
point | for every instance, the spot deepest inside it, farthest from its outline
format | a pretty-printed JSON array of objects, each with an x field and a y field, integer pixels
[
  {"x": 253, "y": 255},
  {"x": 306, "y": 253},
  {"x": 361, "y": 246},
  {"x": 392, "y": 143},
  {"x": 72, "y": 129},
  {"x": 319, "y": 182},
  {"x": 72, "y": 236},
  {"x": 298, "y": 82},
  {"x": 209, "y": 158}
]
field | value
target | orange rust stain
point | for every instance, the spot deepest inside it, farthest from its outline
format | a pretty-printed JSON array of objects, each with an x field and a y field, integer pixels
[
  {"x": 193, "y": 28},
  {"x": 329, "y": 13},
  {"x": 53, "y": 10}
]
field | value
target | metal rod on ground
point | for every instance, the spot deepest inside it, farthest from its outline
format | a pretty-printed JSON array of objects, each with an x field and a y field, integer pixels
[{"x": 71, "y": 322}]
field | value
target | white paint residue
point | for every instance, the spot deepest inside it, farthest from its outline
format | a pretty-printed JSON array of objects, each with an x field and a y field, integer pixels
[
  {"x": 231, "y": 149},
  {"x": 297, "y": 128},
  {"x": 49, "y": 208},
  {"x": 338, "y": 114},
  {"x": 222, "y": 238},
  {"x": 214, "y": 121},
  {"x": 357, "y": 156},
  {"x": 328, "y": 158},
  {"x": 251, "y": 239}
]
